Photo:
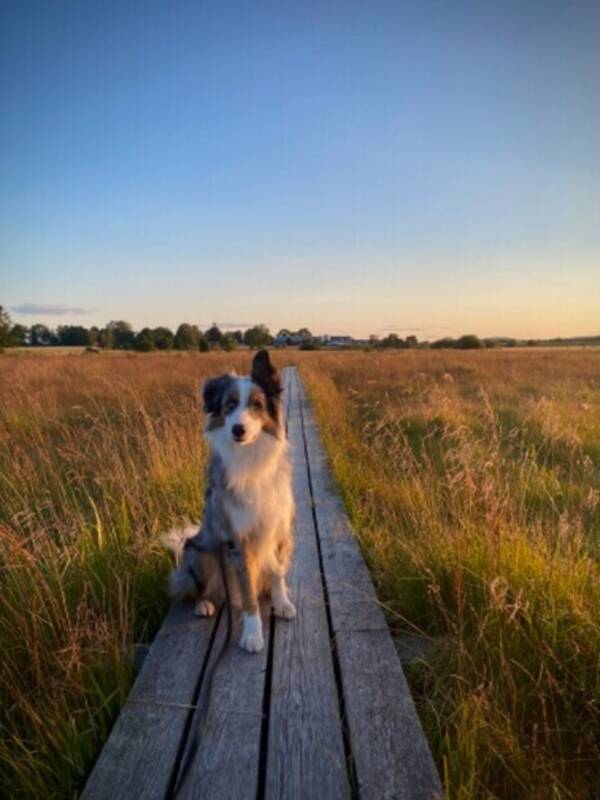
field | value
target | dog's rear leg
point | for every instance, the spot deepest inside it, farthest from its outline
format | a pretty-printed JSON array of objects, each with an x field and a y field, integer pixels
[
  {"x": 204, "y": 608},
  {"x": 252, "y": 635}
]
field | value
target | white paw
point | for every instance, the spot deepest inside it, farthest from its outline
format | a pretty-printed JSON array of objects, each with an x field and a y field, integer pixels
[
  {"x": 251, "y": 639},
  {"x": 284, "y": 608},
  {"x": 251, "y": 642},
  {"x": 204, "y": 608}
]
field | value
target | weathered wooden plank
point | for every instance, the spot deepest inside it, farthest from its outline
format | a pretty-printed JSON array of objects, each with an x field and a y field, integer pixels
[
  {"x": 138, "y": 757},
  {"x": 227, "y": 761},
  {"x": 306, "y": 756},
  {"x": 391, "y": 755}
]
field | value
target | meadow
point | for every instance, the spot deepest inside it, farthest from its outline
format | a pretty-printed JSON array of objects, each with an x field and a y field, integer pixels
[{"x": 473, "y": 481}]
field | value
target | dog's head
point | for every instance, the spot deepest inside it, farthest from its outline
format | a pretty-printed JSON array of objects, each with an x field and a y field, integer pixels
[{"x": 245, "y": 407}]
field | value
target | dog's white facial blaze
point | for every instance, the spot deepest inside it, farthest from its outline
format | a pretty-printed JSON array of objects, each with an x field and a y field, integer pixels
[{"x": 242, "y": 415}]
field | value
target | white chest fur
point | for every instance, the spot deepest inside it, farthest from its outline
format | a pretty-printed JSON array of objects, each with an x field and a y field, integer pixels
[
  {"x": 259, "y": 480},
  {"x": 256, "y": 506}
]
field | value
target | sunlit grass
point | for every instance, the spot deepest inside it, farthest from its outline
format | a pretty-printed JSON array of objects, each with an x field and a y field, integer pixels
[{"x": 473, "y": 482}]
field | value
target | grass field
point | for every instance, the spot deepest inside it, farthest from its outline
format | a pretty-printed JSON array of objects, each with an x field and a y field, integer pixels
[{"x": 473, "y": 480}]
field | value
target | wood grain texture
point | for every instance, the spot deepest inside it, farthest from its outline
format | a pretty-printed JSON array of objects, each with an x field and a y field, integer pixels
[
  {"x": 391, "y": 755},
  {"x": 226, "y": 763},
  {"x": 138, "y": 757},
  {"x": 306, "y": 756}
]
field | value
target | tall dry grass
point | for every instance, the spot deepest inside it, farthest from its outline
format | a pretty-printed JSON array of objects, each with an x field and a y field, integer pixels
[
  {"x": 98, "y": 455},
  {"x": 473, "y": 480}
]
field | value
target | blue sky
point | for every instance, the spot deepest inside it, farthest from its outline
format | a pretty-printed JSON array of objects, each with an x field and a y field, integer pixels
[{"x": 426, "y": 167}]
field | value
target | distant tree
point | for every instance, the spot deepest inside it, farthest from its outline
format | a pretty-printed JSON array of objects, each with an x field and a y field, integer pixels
[
  {"x": 412, "y": 342},
  {"x": 238, "y": 336},
  {"x": 512, "y": 343},
  {"x": 393, "y": 341},
  {"x": 163, "y": 338},
  {"x": 304, "y": 333},
  {"x": 106, "y": 338},
  {"x": 5, "y": 329},
  {"x": 94, "y": 335},
  {"x": 229, "y": 342},
  {"x": 197, "y": 332},
  {"x": 203, "y": 344},
  {"x": 309, "y": 344},
  {"x": 18, "y": 335},
  {"x": 469, "y": 342},
  {"x": 144, "y": 341},
  {"x": 73, "y": 336},
  {"x": 39, "y": 335},
  {"x": 532, "y": 343},
  {"x": 214, "y": 335},
  {"x": 444, "y": 343},
  {"x": 258, "y": 336},
  {"x": 123, "y": 337},
  {"x": 187, "y": 337}
]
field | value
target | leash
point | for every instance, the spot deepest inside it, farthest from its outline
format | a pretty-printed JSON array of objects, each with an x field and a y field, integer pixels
[{"x": 206, "y": 687}]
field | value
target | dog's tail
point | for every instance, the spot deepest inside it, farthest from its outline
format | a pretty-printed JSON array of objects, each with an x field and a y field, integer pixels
[
  {"x": 175, "y": 539},
  {"x": 181, "y": 580}
]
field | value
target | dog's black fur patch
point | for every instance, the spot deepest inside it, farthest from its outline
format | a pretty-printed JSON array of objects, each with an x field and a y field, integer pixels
[
  {"x": 214, "y": 392},
  {"x": 266, "y": 376}
]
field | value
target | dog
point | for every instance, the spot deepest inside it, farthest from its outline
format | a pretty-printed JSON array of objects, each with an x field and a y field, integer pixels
[{"x": 248, "y": 503}]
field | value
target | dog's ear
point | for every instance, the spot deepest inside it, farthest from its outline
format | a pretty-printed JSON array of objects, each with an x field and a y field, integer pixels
[
  {"x": 265, "y": 375},
  {"x": 213, "y": 393}
]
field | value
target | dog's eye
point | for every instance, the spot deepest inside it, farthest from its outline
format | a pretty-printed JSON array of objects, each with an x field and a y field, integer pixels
[{"x": 230, "y": 405}]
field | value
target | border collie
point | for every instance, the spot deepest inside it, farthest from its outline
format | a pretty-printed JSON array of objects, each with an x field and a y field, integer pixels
[{"x": 249, "y": 505}]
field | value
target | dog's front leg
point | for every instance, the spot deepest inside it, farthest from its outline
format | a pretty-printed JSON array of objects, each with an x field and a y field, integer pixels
[
  {"x": 252, "y": 635},
  {"x": 282, "y": 605}
]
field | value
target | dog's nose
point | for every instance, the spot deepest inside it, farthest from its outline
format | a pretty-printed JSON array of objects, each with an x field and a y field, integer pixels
[{"x": 238, "y": 431}]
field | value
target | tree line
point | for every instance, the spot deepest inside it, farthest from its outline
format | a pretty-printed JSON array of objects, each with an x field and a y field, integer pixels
[{"x": 119, "y": 335}]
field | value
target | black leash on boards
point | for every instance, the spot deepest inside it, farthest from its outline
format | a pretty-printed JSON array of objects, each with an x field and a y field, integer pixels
[{"x": 206, "y": 686}]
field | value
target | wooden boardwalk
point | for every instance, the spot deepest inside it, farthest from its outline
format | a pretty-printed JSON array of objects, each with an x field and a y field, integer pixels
[{"x": 323, "y": 712}]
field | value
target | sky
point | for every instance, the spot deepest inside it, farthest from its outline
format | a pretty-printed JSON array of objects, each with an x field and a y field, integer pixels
[{"x": 353, "y": 167}]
